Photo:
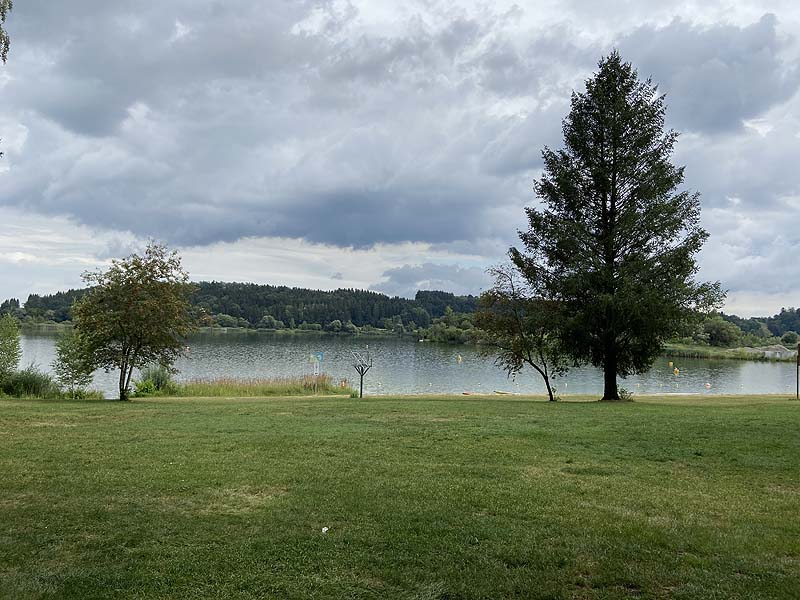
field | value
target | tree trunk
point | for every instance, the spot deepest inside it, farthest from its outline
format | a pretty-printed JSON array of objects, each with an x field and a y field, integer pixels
[
  {"x": 549, "y": 389},
  {"x": 128, "y": 380},
  {"x": 545, "y": 377},
  {"x": 361, "y": 390},
  {"x": 610, "y": 391},
  {"x": 123, "y": 371}
]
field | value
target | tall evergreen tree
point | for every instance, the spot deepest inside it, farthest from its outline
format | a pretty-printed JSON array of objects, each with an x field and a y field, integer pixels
[
  {"x": 5, "y": 43},
  {"x": 614, "y": 243}
]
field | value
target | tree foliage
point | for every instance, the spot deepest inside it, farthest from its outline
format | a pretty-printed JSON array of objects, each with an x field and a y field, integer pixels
[
  {"x": 247, "y": 304},
  {"x": 5, "y": 43},
  {"x": 790, "y": 338},
  {"x": 721, "y": 333},
  {"x": 435, "y": 302},
  {"x": 136, "y": 313},
  {"x": 786, "y": 320},
  {"x": 520, "y": 328},
  {"x": 614, "y": 243},
  {"x": 10, "y": 348},
  {"x": 72, "y": 366}
]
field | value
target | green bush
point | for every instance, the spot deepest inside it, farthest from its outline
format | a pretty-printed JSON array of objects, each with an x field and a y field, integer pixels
[
  {"x": 270, "y": 322},
  {"x": 30, "y": 382},
  {"x": 790, "y": 338},
  {"x": 84, "y": 394},
  {"x": 144, "y": 388},
  {"x": 73, "y": 366},
  {"x": 159, "y": 375},
  {"x": 155, "y": 380},
  {"x": 10, "y": 349}
]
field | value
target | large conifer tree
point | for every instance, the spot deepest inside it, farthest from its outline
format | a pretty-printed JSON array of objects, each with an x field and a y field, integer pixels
[
  {"x": 615, "y": 239},
  {"x": 5, "y": 8}
]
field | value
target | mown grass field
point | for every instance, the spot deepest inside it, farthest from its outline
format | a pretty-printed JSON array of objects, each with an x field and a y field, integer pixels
[{"x": 428, "y": 498}]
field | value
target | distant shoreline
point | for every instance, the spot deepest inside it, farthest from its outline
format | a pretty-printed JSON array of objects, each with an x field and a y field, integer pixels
[{"x": 672, "y": 350}]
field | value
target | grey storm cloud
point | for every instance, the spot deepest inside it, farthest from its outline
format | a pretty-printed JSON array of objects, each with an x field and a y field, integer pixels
[
  {"x": 714, "y": 76},
  {"x": 202, "y": 121},
  {"x": 406, "y": 280},
  {"x": 197, "y": 126}
]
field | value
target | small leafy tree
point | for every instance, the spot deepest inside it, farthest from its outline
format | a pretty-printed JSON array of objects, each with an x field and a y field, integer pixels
[
  {"x": 10, "y": 348},
  {"x": 520, "y": 327},
  {"x": 136, "y": 313},
  {"x": 72, "y": 365}
]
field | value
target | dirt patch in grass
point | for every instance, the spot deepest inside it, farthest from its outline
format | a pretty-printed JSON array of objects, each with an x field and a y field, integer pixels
[
  {"x": 52, "y": 424},
  {"x": 229, "y": 501}
]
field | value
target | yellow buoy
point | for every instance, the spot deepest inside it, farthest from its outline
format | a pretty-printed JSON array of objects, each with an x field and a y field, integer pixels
[
  {"x": 676, "y": 371},
  {"x": 670, "y": 363},
  {"x": 459, "y": 359}
]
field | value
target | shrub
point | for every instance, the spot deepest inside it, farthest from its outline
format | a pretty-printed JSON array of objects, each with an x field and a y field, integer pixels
[
  {"x": 790, "y": 338},
  {"x": 334, "y": 326},
  {"x": 155, "y": 380},
  {"x": 31, "y": 382},
  {"x": 10, "y": 349},
  {"x": 224, "y": 320},
  {"x": 83, "y": 394},
  {"x": 159, "y": 375},
  {"x": 270, "y": 322},
  {"x": 72, "y": 366},
  {"x": 144, "y": 388}
]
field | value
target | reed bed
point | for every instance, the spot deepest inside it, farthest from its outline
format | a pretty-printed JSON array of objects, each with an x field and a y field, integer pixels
[
  {"x": 251, "y": 388},
  {"x": 708, "y": 352}
]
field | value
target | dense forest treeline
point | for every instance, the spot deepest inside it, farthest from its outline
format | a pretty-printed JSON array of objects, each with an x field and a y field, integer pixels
[
  {"x": 434, "y": 315},
  {"x": 279, "y": 307}
]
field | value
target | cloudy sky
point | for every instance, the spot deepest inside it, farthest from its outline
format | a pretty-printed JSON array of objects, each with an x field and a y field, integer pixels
[{"x": 373, "y": 143}]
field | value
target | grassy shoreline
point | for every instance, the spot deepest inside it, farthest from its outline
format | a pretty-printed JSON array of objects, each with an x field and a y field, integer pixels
[
  {"x": 710, "y": 352},
  {"x": 422, "y": 497}
]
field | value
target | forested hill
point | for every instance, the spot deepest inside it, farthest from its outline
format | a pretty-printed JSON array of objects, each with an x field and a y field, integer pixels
[
  {"x": 253, "y": 305},
  {"x": 279, "y": 307}
]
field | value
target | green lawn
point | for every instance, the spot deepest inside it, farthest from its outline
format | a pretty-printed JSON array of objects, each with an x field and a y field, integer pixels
[{"x": 438, "y": 498}]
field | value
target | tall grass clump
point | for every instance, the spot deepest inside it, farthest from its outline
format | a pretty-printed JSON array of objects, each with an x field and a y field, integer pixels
[
  {"x": 30, "y": 382},
  {"x": 250, "y": 388},
  {"x": 155, "y": 380}
]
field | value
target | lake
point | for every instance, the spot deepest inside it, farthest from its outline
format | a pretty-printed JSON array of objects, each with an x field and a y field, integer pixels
[{"x": 403, "y": 366}]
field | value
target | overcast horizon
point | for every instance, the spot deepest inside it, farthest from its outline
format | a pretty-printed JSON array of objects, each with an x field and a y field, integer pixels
[{"x": 364, "y": 144}]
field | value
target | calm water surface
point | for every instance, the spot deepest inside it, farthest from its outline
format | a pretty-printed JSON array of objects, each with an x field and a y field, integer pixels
[{"x": 404, "y": 366}]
